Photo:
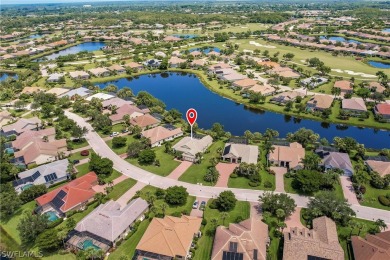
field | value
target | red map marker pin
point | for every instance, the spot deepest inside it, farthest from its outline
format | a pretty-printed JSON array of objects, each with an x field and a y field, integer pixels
[{"x": 191, "y": 116}]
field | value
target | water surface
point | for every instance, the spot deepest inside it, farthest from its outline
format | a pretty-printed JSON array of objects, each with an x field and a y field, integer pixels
[
  {"x": 86, "y": 46},
  {"x": 378, "y": 64}
]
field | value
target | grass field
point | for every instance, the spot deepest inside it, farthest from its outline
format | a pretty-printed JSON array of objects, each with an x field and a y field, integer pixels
[
  {"x": 243, "y": 183},
  {"x": 121, "y": 188},
  {"x": 196, "y": 172},
  {"x": 121, "y": 150},
  {"x": 370, "y": 198},
  {"x": 205, "y": 243},
  {"x": 167, "y": 162},
  {"x": 78, "y": 156}
]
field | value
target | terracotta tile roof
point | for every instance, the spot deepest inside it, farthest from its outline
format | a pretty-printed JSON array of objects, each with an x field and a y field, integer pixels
[
  {"x": 263, "y": 89},
  {"x": 28, "y": 136},
  {"x": 77, "y": 192},
  {"x": 30, "y": 90},
  {"x": 245, "y": 83},
  {"x": 126, "y": 109},
  {"x": 176, "y": 60},
  {"x": 321, "y": 241},
  {"x": 39, "y": 147},
  {"x": 383, "y": 168},
  {"x": 22, "y": 125},
  {"x": 116, "y": 67},
  {"x": 250, "y": 235},
  {"x": 343, "y": 85},
  {"x": 383, "y": 109},
  {"x": 171, "y": 39},
  {"x": 57, "y": 91},
  {"x": 294, "y": 153},
  {"x": 378, "y": 86},
  {"x": 144, "y": 121},
  {"x": 321, "y": 101},
  {"x": 133, "y": 65},
  {"x": 374, "y": 247},
  {"x": 170, "y": 236},
  {"x": 354, "y": 104},
  {"x": 160, "y": 133},
  {"x": 247, "y": 153}
]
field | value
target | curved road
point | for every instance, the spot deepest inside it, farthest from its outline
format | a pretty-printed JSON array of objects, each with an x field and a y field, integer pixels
[{"x": 101, "y": 148}]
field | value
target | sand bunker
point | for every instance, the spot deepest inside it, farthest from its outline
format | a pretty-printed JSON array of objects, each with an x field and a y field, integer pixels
[
  {"x": 350, "y": 72},
  {"x": 261, "y": 45}
]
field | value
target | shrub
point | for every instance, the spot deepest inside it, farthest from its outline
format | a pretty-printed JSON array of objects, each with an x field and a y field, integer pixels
[
  {"x": 226, "y": 201},
  {"x": 32, "y": 193},
  {"x": 233, "y": 175},
  {"x": 267, "y": 184},
  {"x": 176, "y": 214},
  {"x": 384, "y": 201},
  {"x": 160, "y": 193},
  {"x": 176, "y": 195},
  {"x": 84, "y": 153},
  {"x": 119, "y": 141},
  {"x": 238, "y": 219},
  {"x": 213, "y": 205},
  {"x": 253, "y": 184},
  {"x": 55, "y": 223},
  {"x": 204, "y": 222}
]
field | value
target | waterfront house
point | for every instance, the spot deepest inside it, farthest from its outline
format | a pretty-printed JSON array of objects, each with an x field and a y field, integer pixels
[
  {"x": 78, "y": 92},
  {"x": 285, "y": 97},
  {"x": 383, "y": 110},
  {"x": 79, "y": 74},
  {"x": 196, "y": 53},
  {"x": 238, "y": 153},
  {"x": 101, "y": 96},
  {"x": 108, "y": 224},
  {"x": 72, "y": 196},
  {"x": 115, "y": 101},
  {"x": 265, "y": 89},
  {"x": 145, "y": 121},
  {"x": 134, "y": 66},
  {"x": 126, "y": 109},
  {"x": 198, "y": 63},
  {"x": 160, "y": 134},
  {"x": 288, "y": 156},
  {"x": 55, "y": 77},
  {"x": 354, "y": 106},
  {"x": 372, "y": 247},
  {"x": 152, "y": 63},
  {"x": 382, "y": 167},
  {"x": 175, "y": 62},
  {"x": 57, "y": 91},
  {"x": 170, "y": 38},
  {"x": 190, "y": 147},
  {"x": 100, "y": 72},
  {"x": 321, "y": 242},
  {"x": 20, "y": 126},
  {"x": 47, "y": 174},
  {"x": 244, "y": 83},
  {"x": 345, "y": 86},
  {"x": 117, "y": 69},
  {"x": 319, "y": 102},
  {"x": 336, "y": 160},
  {"x": 168, "y": 238},
  {"x": 246, "y": 240}
]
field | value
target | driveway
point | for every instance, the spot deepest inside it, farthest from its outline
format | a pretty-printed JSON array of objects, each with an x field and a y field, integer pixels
[
  {"x": 349, "y": 193},
  {"x": 124, "y": 199},
  {"x": 101, "y": 148},
  {"x": 100, "y": 188},
  {"x": 197, "y": 212},
  {"x": 224, "y": 169},
  {"x": 279, "y": 180},
  {"x": 295, "y": 219},
  {"x": 179, "y": 170},
  {"x": 256, "y": 211}
]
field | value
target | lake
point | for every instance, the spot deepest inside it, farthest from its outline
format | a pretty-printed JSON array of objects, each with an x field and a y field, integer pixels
[
  {"x": 35, "y": 36},
  {"x": 386, "y": 30},
  {"x": 207, "y": 50},
  {"x": 183, "y": 91},
  {"x": 186, "y": 36},
  {"x": 378, "y": 64},
  {"x": 86, "y": 46},
  {"x": 4, "y": 76},
  {"x": 338, "y": 39}
]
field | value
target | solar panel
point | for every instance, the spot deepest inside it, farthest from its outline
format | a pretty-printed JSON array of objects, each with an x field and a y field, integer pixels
[
  {"x": 232, "y": 256},
  {"x": 233, "y": 247},
  {"x": 36, "y": 175},
  {"x": 57, "y": 202},
  {"x": 61, "y": 194},
  {"x": 50, "y": 177}
]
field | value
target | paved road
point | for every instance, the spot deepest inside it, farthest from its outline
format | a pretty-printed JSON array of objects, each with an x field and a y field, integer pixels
[{"x": 101, "y": 148}]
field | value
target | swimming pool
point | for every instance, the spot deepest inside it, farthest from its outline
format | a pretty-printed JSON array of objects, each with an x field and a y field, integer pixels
[
  {"x": 88, "y": 243},
  {"x": 27, "y": 186},
  {"x": 51, "y": 215}
]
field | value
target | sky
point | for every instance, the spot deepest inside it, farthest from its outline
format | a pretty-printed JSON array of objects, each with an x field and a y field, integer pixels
[{"x": 52, "y": 1}]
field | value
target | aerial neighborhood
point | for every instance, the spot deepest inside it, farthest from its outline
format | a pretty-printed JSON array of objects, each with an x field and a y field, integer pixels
[{"x": 192, "y": 130}]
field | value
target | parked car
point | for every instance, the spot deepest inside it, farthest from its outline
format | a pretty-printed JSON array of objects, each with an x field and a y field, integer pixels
[
  {"x": 76, "y": 161},
  {"x": 84, "y": 153},
  {"x": 114, "y": 134},
  {"x": 202, "y": 205},
  {"x": 125, "y": 130},
  {"x": 195, "y": 205}
]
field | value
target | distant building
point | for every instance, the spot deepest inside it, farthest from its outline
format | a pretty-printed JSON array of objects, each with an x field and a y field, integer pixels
[
  {"x": 190, "y": 147},
  {"x": 161, "y": 134},
  {"x": 319, "y": 243},
  {"x": 383, "y": 110},
  {"x": 373, "y": 247},
  {"x": 21, "y": 126}
]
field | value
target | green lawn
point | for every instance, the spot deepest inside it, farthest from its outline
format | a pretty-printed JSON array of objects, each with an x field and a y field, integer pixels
[
  {"x": 205, "y": 243},
  {"x": 338, "y": 190},
  {"x": 275, "y": 249},
  {"x": 81, "y": 143},
  {"x": 121, "y": 150},
  {"x": 196, "y": 172},
  {"x": 78, "y": 156},
  {"x": 370, "y": 198},
  {"x": 82, "y": 169},
  {"x": 150, "y": 190},
  {"x": 127, "y": 248},
  {"x": 115, "y": 128},
  {"x": 10, "y": 224},
  {"x": 167, "y": 162},
  {"x": 243, "y": 183},
  {"x": 121, "y": 188}
]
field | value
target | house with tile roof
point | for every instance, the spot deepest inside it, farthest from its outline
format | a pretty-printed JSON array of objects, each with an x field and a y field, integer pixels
[
  {"x": 57, "y": 91},
  {"x": 285, "y": 97},
  {"x": 74, "y": 195},
  {"x": 265, "y": 89},
  {"x": 381, "y": 167},
  {"x": 81, "y": 92},
  {"x": 5, "y": 117},
  {"x": 107, "y": 224},
  {"x": 126, "y": 109},
  {"x": 168, "y": 238},
  {"x": 244, "y": 83},
  {"x": 383, "y": 110},
  {"x": 289, "y": 156},
  {"x": 190, "y": 147},
  {"x": 246, "y": 240},
  {"x": 373, "y": 247},
  {"x": 238, "y": 153},
  {"x": 115, "y": 101},
  {"x": 321, "y": 242},
  {"x": 319, "y": 102},
  {"x": 79, "y": 74},
  {"x": 160, "y": 134},
  {"x": 336, "y": 160},
  {"x": 117, "y": 68},
  {"x": 47, "y": 174},
  {"x": 353, "y": 106},
  {"x": 40, "y": 152},
  {"x": 26, "y": 138},
  {"x": 174, "y": 62},
  {"x": 20, "y": 126},
  {"x": 134, "y": 65},
  {"x": 145, "y": 121},
  {"x": 99, "y": 72},
  {"x": 345, "y": 86}
]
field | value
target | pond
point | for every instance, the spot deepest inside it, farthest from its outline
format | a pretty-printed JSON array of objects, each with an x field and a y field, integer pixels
[
  {"x": 338, "y": 39},
  {"x": 5, "y": 75},
  {"x": 86, "y": 46},
  {"x": 206, "y": 50},
  {"x": 35, "y": 36},
  {"x": 386, "y": 30},
  {"x": 186, "y": 36},
  {"x": 378, "y": 64},
  {"x": 182, "y": 91}
]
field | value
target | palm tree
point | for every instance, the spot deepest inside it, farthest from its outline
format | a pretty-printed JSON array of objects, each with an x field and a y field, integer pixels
[
  {"x": 352, "y": 224},
  {"x": 380, "y": 223},
  {"x": 223, "y": 216},
  {"x": 164, "y": 207},
  {"x": 62, "y": 234},
  {"x": 361, "y": 226}
]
